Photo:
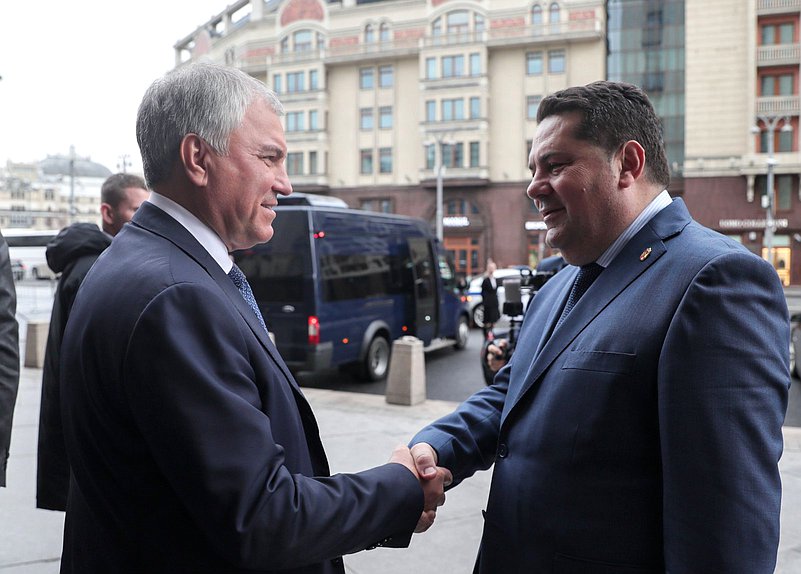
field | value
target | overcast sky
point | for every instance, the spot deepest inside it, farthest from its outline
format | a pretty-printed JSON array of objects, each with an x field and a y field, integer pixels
[{"x": 74, "y": 71}]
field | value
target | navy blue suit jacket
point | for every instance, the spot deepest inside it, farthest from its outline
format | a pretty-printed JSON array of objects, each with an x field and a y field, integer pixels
[
  {"x": 192, "y": 446},
  {"x": 644, "y": 434}
]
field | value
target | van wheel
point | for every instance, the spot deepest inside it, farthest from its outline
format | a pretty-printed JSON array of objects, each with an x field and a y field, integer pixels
[
  {"x": 376, "y": 360},
  {"x": 478, "y": 316},
  {"x": 462, "y": 333}
]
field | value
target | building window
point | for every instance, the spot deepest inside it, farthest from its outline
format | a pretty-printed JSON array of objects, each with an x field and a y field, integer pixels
[
  {"x": 385, "y": 117},
  {"x": 381, "y": 205},
  {"x": 452, "y": 66},
  {"x": 431, "y": 110},
  {"x": 475, "y": 107},
  {"x": 553, "y": 16},
  {"x": 474, "y": 154},
  {"x": 475, "y": 64},
  {"x": 294, "y": 121},
  {"x": 452, "y": 155},
  {"x": 366, "y": 161},
  {"x": 313, "y": 120},
  {"x": 277, "y": 83},
  {"x": 313, "y": 163},
  {"x": 385, "y": 76},
  {"x": 302, "y": 40},
  {"x": 369, "y": 34},
  {"x": 452, "y": 109},
  {"x": 385, "y": 160},
  {"x": 783, "y": 33},
  {"x": 782, "y": 190},
  {"x": 458, "y": 22},
  {"x": 366, "y": 81},
  {"x": 776, "y": 85},
  {"x": 479, "y": 23},
  {"x": 313, "y": 74},
  {"x": 383, "y": 32},
  {"x": 556, "y": 61},
  {"x": 431, "y": 68},
  {"x": 295, "y": 82},
  {"x": 366, "y": 119},
  {"x": 430, "y": 156},
  {"x": 294, "y": 163},
  {"x": 783, "y": 141},
  {"x": 532, "y": 104},
  {"x": 536, "y": 15},
  {"x": 533, "y": 63},
  {"x": 285, "y": 44}
]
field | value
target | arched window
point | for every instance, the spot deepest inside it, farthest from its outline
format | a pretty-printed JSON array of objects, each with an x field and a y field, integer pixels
[
  {"x": 383, "y": 32},
  {"x": 478, "y": 22},
  {"x": 553, "y": 13},
  {"x": 369, "y": 34},
  {"x": 285, "y": 45},
  {"x": 536, "y": 15}
]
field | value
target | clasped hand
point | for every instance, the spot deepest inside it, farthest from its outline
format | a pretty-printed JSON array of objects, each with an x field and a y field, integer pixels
[{"x": 421, "y": 461}]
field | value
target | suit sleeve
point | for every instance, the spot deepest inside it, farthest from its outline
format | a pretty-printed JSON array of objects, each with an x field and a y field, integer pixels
[
  {"x": 192, "y": 392},
  {"x": 722, "y": 393},
  {"x": 9, "y": 355}
]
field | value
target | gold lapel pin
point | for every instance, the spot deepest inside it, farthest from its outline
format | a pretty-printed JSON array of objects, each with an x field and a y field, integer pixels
[{"x": 644, "y": 255}]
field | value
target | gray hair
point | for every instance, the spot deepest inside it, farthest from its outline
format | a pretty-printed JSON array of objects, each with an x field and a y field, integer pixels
[{"x": 202, "y": 98}]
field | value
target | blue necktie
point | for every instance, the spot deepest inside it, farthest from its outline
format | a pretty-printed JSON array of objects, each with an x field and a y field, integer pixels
[
  {"x": 242, "y": 284},
  {"x": 586, "y": 275}
]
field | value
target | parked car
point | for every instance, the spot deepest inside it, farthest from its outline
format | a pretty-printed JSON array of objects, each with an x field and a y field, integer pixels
[
  {"x": 475, "y": 303},
  {"x": 795, "y": 345},
  {"x": 17, "y": 269}
]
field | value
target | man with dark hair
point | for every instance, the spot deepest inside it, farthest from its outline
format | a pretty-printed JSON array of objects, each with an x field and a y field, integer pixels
[
  {"x": 72, "y": 253},
  {"x": 637, "y": 427}
]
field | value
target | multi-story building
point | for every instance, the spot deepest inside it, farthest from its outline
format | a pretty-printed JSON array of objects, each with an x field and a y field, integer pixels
[
  {"x": 52, "y": 193},
  {"x": 742, "y": 162},
  {"x": 384, "y": 96},
  {"x": 386, "y": 99}
]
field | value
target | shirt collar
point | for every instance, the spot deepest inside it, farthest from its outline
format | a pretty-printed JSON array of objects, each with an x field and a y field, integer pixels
[{"x": 204, "y": 234}]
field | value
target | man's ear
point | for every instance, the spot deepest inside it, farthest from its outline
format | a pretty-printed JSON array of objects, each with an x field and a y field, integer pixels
[
  {"x": 107, "y": 214},
  {"x": 194, "y": 153},
  {"x": 632, "y": 163}
]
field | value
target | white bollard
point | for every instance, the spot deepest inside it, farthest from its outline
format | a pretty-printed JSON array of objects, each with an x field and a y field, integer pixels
[
  {"x": 35, "y": 342},
  {"x": 406, "y": 382}
]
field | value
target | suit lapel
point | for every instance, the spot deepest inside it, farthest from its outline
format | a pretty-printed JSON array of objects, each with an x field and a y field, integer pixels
[
  {"x": 639, "y": 254},
  {"x": 157, "y": 221}
]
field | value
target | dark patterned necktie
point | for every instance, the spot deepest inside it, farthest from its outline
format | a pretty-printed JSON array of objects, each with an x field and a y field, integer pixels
[
  {"x": 242, "y": 284},
  {"x": 586, "y": 275}
]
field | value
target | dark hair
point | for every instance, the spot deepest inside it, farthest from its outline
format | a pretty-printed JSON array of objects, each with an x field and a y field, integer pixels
[
  {"x": 113, "y": 189},
  {"x": 614, "y": 113}
]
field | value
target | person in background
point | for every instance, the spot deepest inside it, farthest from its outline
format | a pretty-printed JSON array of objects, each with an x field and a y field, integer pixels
[
  {"x": 9, "y": 355},
  {"x": 72, "y": 253},
  {"x": 192, "y": 447},
  {"x": 489, "y": 297},
  {"x": 638, "y": 425}
]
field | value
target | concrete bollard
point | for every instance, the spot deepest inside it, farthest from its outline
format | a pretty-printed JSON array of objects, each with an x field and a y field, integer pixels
[
  {"x": 35, "y": 342},
  {"x": 406, "y": 382}
]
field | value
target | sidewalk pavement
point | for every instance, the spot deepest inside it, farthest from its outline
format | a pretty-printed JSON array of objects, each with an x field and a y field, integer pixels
[{"x": 359, "y": 431}]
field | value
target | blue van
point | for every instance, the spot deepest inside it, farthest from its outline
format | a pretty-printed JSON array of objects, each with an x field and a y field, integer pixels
[{"x": 336, "y": 286}]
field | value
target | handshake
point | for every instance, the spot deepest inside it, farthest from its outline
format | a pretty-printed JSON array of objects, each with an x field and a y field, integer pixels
[{"x": 421, "y": 461}]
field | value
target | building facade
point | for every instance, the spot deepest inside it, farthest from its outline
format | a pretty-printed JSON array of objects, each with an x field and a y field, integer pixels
[
  {"x": 51, "y": 193},
  {"x": 742, "y": 162},
  {"x": 384, "y": 100}
]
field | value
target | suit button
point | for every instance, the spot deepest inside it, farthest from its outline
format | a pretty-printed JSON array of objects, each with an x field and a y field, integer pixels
[{"x": 502, "y": 450}]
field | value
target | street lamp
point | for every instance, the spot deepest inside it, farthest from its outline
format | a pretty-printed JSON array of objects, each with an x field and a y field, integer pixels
[
  {"x": 768, "y": 200},
  {"x": 439, "y": 169}
]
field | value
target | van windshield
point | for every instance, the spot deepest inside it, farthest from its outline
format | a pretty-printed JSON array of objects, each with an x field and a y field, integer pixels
[{"x": 275, "y": 270}]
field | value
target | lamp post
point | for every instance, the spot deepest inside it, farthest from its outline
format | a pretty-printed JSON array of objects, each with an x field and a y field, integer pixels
[
  {"x": 768, "y": 200},
  {"x": 439, "y": 169}
]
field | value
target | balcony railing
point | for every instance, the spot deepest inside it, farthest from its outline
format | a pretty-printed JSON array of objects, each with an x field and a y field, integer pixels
[
  {"x": 583, "y": 29},
  {"x": 777, "y": 6},
  {"x": 779, "y": 105},
  {"x": 778, "y": 55}
]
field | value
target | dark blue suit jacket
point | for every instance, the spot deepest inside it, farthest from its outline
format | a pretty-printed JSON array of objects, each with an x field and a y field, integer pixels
[
  {"x": 644, "y": 434},
  {"x": 192, "y": 447}
]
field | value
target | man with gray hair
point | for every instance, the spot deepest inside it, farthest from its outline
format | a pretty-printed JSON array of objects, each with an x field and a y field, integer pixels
[{"x": 192, "y": 446}]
